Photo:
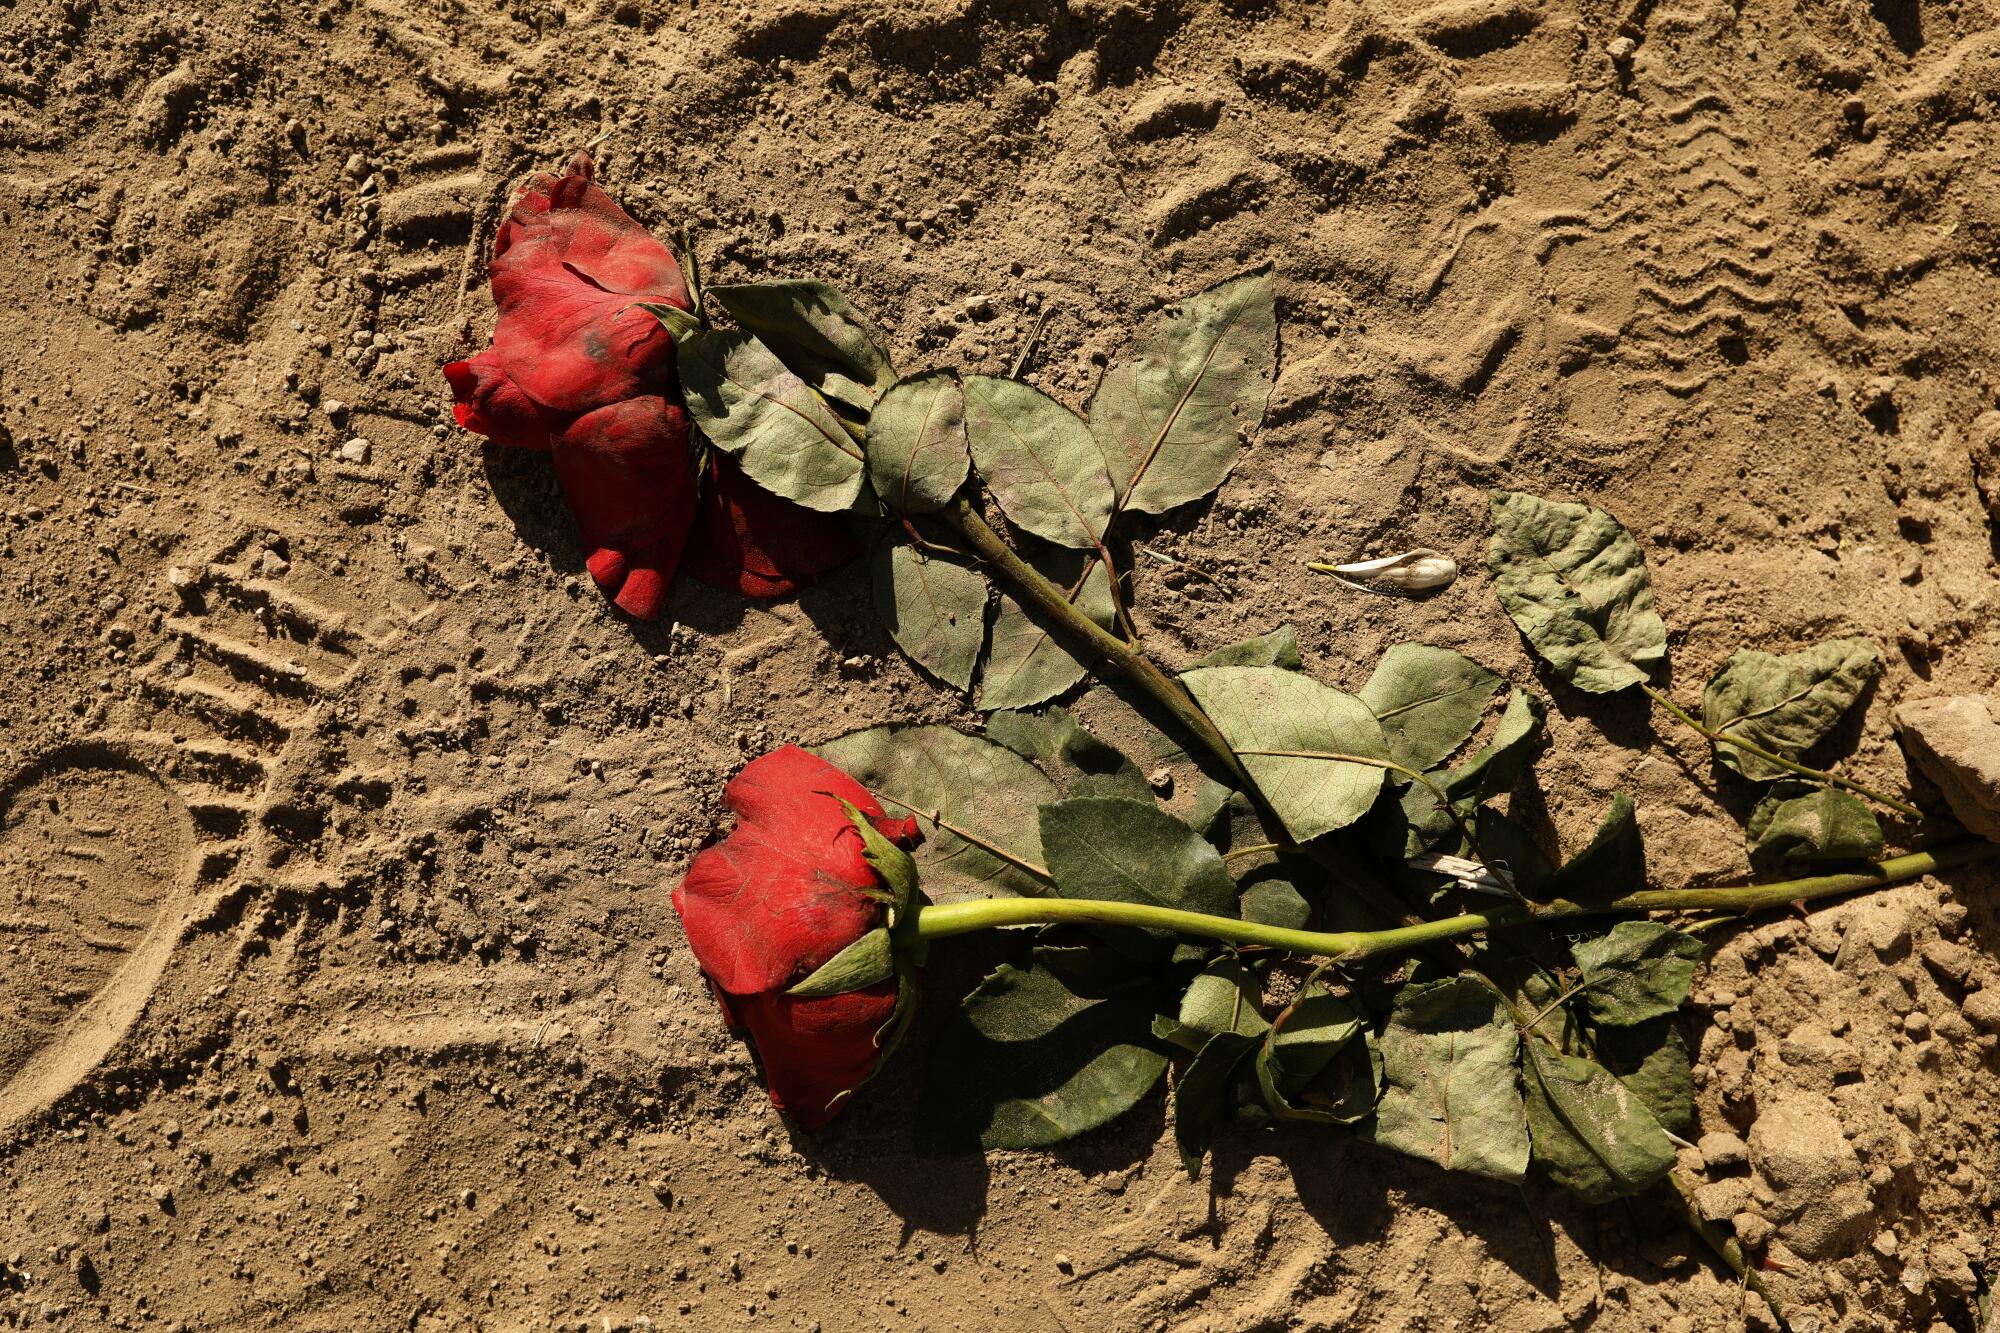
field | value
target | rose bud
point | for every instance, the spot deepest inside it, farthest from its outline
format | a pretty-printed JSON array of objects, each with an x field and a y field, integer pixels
[
  {"x": 579, "y": 368},
  {"x": 791, "y": 918}
]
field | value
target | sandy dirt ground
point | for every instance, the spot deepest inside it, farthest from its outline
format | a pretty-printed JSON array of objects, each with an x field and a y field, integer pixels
[{"x": 339, "y": 980}]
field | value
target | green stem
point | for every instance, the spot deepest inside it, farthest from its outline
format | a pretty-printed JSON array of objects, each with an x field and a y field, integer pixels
[
  {"x": 1123, "y": 657},
  {"x": 1680, "y": 1194},
  {"x": 1817, "y": 775},
  {"x": 962, "y": 918}
]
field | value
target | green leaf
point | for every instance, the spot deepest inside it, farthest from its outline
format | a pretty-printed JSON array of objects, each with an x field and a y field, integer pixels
[
  {"x": 1320, "y": 1026},
  {"x": 934, "y": 607},
  {"x": 1800, "y": 821},
  {"x": 1042, "y": 1054},
  {"x": 1451, "y": 1095},
  {"x": 917, "y": 451},
  {"x": 1637, "y": 970},
  {"x": 1652, "y": 1060},
  {"x": 1026, "y": 660},
  {"x": 1592, "y": 1135},
  {"x": 1202, "y": 1099},
  {"x": 863, "y": 963},
  {"x": 1491, "y": 772},
  {"x": 1279, "y": 648},
  {"x": 1039, "y": 461},
  {"x": 817, "y": 333},
  {"x": 1269, "y": 898},
  {"x": 974, "y": 785},
  {"x": 1307, "y": 1068},
  {"x": 1499, "y": 764},
  {"x": 1785, "y": 704},
  {"x": 1117, "y": 850},
  {"x": 1224, "y": 997},
  {"x": 1614, "y": 864},
  {"x": 1575, "y": 581},
  {"x": 781, "y": 431},
  {"x": 1171, "y": 416},
  {"x": 1428, "y": 701},
  {"x": 1281, "y": 723},
  {"x": 1347, "y": 1091},
  {"x": 1504, "y": 840},
  {"x": 1081, "y": 762}
]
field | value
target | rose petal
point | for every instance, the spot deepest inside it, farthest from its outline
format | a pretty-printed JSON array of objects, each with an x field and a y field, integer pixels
[
  {"x": 815, "y": 1050},
  {"x": 486, "y": 399},
  {"x": 750, "y": 541},
  {"x": 790, "y": 886},
  {"x": 629, "y": 481},
  {"x": 567, "y": 268}
]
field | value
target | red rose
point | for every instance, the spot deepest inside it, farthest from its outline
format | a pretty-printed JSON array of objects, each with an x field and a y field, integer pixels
[
  {"x": 786, "y": 891},
  {"x": 577, "y": 368}
]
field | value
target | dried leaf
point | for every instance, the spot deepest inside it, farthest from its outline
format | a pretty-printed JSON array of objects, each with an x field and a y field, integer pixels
[
  {"x": 1575, "y": 582},
  {"x": 1489, "y": 773},
  {"x": 1170, "y": 417},
  {"x": 1614, "y": 864},
  {"x": 1269, "y": 897},
  {"x": 1042, "y": 1054},
  {"x": 917, "y": 451},
  {"x": 1117, "y": 850},
  {"x": 1202, "y": 1097},
  {"x": 1652, "y": 1060},
  {"x": 984, "y": 789},
  {"x": 1428, "y": 701},
  {"x": 776, "y": 426},
  {"x": 1027, "y": 660},
  {"x": 934, "y": 606},
  {"x": 1785, "y": 704},
  {"x": 1279, "y": 648},
  {"x": 813, "y": 330},
  {"x": 1637, "y": 970},
  {"x": 1284, "y": 725},
  {"x": 1797, "y": 820},
  {"x": 1592, "y": 1134},
  {"x": 1224, "y": 997},
  {"x": 1451, "y": 1095},
  {"x": 1082, "y": 763},
  {"x": 1038, "y": 460}
]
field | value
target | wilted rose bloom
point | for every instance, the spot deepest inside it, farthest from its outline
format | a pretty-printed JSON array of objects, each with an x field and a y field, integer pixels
[
  {"x": 764, "y": 909},
  {"x": 579, "y": 369}
]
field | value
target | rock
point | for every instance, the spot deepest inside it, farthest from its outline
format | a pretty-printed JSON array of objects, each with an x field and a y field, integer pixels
[
  {"x": 1819, "y": 1055},
  {"x": 1986, "y": 459},
  {"x": 1948, "y": 1265},
  {"x": 1951, "y": 962},
  {"x": 1753, "y": 1229},
  {"x": 1722, "y": 1200},
  {"x": 1799, "y": 1152},
  {"x": 1877, "y": 926},
  {"x": 1172, "y": 110},
  {"x": 1955, "y": 742},
  {"x": 1722, "y": 1149},
  {"x": 355, "y": 450},
  {"x": 1983, "y": 1008}
]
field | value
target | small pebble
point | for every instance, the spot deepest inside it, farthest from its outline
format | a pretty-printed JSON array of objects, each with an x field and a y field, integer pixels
[{"x": 355, "y": 450}]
